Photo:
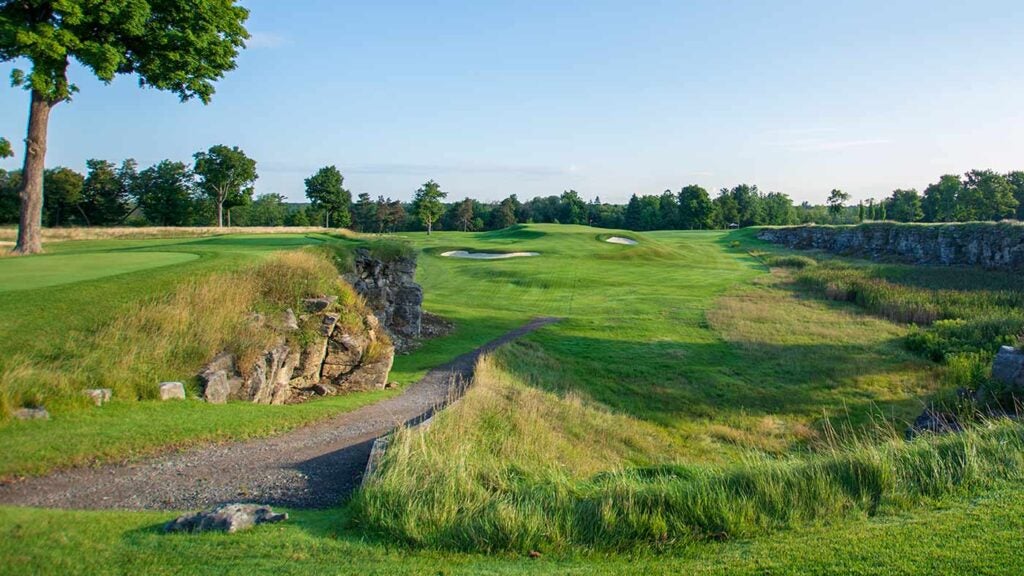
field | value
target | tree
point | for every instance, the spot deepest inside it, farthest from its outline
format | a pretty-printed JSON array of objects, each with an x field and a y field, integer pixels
[
  {"x": 750, "y": 211},
  {"x": 727, "y": 211},
  {"x": 860, "y": 211},
  {"x": 266, "y": 210},
  {"x": 836, "y": 202},
  {"x": 669, "y": 211},
  {"x": 324, "y": 189},
  {"x": 905, "y": 206},
  {"x": 940, "y": 199},
  {"x": 107, "y": 192},
  {"x": 175, "y": 45},
  {"x": 573, "y": 209},
  {"x": 63, "y": 196},
  {"x": 166, "y": 193},
  {"x": 777, "y": 209},
  {"x": 364, "y": 214},
  {"x": 505, "y": 214},
  {"x": 1016, "y": 180},
  {"x": 464, "y": 215},
  {"x": 696, "y": 210},
  {"x": 633, "y": 214},
  {"x": 297, "y": 218},
  {"x": 987, "y": 195},
  {"x": 5, "y": 149},
  {"x": 427, "y": 204},
  {"x": 226, "y": 176}
]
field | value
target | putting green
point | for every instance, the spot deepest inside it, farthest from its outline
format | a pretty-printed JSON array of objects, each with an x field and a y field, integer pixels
[{"x": 42, "y": 271}]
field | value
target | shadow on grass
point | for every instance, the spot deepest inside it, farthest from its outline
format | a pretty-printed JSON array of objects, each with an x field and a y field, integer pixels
[{"x": 668, "y": 382}]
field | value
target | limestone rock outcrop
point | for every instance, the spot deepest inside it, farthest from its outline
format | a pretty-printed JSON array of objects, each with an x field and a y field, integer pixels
[
  {"x": 335, "y": 357},
  {"x": 390, "y": 289},
  {"x": 996, "y": 246}
]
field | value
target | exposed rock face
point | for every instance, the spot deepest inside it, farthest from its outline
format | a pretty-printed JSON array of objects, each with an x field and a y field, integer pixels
[
  {"x": 341, "y": 357},
  {"x": 987, "y": 245},
  {"x": 390, "y": 289},
  {"x": 1008, "y": 368},
  {"x": 228, "y": 518}
]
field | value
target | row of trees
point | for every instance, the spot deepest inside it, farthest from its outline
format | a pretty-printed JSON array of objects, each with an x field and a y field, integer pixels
[
  {"x": 168, "y": 193},
  {"x": 977, "y": 195}
]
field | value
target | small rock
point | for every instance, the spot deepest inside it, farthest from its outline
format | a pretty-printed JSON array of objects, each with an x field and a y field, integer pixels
[
  {"x": 325, "y": 389},
  {"x": 391, "y": 385},
  {"x": 371, "y": 321},
  {"x": 99, "y": 396},
  {"x": 1008, "y": 367},
  {"x": 319, "y": 304},
  {"x": 228, "y": 518},
  {"x": 291, "y": 323},
  {"x": 328, "y": 324},
  {"x": 31, "y": 414},
  {"x": 934, "y": 422},
  {"x": 172, "y": 391}
]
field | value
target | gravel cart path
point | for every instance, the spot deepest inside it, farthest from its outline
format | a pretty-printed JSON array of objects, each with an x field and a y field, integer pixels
[{"x": 316, "y": 466}]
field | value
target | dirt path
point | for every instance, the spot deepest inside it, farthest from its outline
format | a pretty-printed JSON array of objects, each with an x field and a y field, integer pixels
[{"x": 311, "y": 467}]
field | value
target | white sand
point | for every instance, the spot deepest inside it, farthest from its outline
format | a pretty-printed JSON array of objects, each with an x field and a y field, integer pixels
[
  {"x": 621, "y": 240},
  {"x": 487, "y": 255}
]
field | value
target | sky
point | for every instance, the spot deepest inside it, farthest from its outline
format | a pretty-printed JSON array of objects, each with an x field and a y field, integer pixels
[{"x": 608, "y": 98}]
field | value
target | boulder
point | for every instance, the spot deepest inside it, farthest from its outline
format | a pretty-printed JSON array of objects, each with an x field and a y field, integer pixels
[
  {"x": 99, "y": 396},
  {"x": 933, "y": 422},
  {"x": 372, "y": 376},
  {"x": 172, "y": 391},
  {"x": 31, "y": 414},
  {"x": 228, "y": 518},
  {"x": 1008, "y": 368},
  {"x": 220, "y": 379}
]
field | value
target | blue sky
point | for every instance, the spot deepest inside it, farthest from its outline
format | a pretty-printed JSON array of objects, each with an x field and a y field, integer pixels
[{"x": 608, "y": 98}]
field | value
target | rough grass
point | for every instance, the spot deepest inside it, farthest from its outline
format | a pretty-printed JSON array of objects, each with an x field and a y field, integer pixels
[{"x": 513, "y": 469}]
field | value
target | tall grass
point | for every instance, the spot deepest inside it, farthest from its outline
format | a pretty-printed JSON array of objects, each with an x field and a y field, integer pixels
[
  {"x": 170, "y": 336},
  {"x": 500, "y": 471},
  {"x": 961, "y": 317}
]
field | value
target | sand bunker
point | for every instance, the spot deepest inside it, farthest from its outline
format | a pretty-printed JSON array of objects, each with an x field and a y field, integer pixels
[
  {"x": 487, "y": 255},
  {"x": 621, "y": 240}
]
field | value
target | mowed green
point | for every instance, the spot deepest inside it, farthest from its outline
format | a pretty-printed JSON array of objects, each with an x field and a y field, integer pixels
[{"x": 32, "y": 273}]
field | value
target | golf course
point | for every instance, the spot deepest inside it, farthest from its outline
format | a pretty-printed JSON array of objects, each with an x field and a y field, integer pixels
[{"x": 697, "y": 407}]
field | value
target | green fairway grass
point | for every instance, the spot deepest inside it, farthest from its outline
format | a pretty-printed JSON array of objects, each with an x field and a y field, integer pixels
[{"x": 30, "y": 273}]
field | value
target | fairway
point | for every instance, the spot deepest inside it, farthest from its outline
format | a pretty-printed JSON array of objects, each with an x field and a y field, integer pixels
[{"x": 44, "y": 271}]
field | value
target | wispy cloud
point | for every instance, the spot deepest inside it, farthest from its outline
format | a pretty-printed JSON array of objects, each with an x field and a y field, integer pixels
[{"x": 266, "y": 40}]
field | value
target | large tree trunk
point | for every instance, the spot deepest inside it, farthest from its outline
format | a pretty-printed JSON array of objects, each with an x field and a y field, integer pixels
[
  {"x": 30, "y": 223},
  {"x": 220, "y": 214}
]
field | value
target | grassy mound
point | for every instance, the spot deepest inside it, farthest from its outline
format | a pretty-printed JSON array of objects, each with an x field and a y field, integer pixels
[
  {"x": 170, "y": 336},
  {"x": 511, "y": 468}
]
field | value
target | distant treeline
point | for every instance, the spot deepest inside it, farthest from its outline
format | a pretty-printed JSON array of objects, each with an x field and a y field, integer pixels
[{"x": 175, "y": 194}]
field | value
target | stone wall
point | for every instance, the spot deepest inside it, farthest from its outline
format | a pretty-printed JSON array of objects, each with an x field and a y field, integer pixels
[
  {"x": 996, "y": 246},
  {"x": 389, "y": 288}
]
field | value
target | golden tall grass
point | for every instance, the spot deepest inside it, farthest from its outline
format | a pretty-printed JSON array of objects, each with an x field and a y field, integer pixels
[{"x": 169, "y": 337}]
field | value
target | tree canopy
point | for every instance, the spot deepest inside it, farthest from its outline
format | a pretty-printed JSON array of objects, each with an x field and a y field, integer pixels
[
  {"x": 427, "y": 204},
  {"x": 324, "y": 189},
  {"x": 226, "y": 175}
]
